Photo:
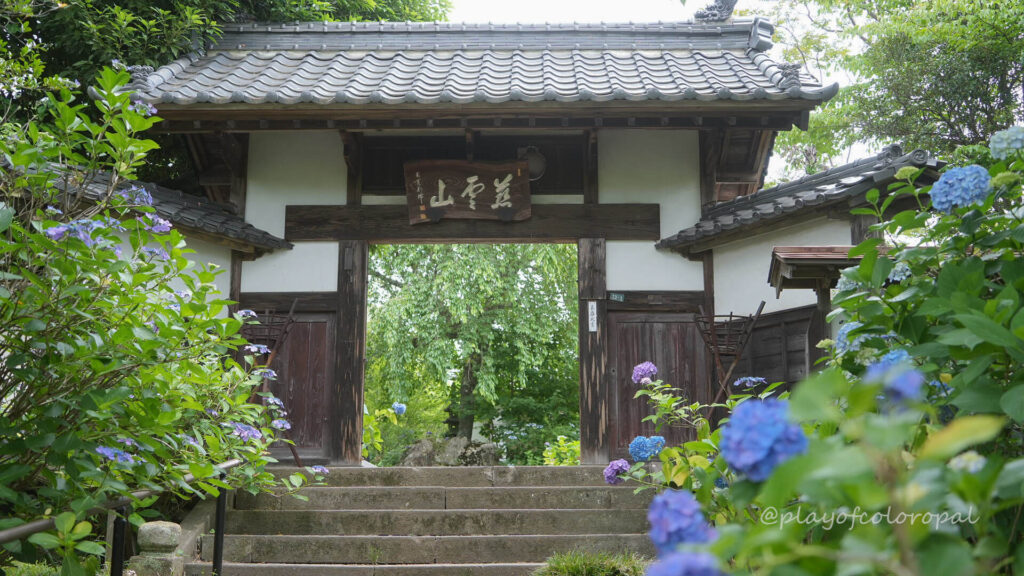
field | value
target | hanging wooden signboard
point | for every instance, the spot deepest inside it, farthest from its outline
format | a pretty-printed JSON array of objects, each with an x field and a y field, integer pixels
[{"x": 457, "y": 189}]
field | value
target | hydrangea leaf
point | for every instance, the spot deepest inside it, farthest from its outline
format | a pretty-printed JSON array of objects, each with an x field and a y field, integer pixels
[
  {"x": 1012, "y": 402},
  {"x": 961, "y": 434}
]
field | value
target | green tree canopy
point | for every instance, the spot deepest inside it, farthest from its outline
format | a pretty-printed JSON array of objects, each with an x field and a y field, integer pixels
[
  {"x": 473, "y": 323},
  {"x": 933, "y": 74}
]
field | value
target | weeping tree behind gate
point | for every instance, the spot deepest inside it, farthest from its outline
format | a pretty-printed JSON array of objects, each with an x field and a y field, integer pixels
[{"x": 480, "y": 327}]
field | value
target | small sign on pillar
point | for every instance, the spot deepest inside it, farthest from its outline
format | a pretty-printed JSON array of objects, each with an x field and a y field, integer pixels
[
  {"x": 457, "y": 189},
  {"x": 592, "y": 316}
]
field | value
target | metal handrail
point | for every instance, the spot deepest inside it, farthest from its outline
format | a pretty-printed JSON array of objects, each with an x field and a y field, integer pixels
[{"x": 121, "y": 504}]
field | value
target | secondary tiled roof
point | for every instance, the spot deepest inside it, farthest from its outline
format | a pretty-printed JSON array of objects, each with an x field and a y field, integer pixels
[
  {"x": 430, "y": 63},
  {"x": 194, "y": 213},
  {"x": 727, "y": 219}
]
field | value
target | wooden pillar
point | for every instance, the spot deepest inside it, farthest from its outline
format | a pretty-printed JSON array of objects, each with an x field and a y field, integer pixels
[
  {"x": 346, "y": 411},
  {"x": 818, "y": 329},
  {"x": 594, "y": 401}
]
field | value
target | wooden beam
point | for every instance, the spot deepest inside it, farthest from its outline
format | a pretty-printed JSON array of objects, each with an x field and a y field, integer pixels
[
  {"x": 346, "y": 411},
  {"x": 353, "y": 154},
  {"x": 710, "y": 153},
  {"x": 234, "y": 152},
  {"x": 282, "y": 301},
  {"x": 711, "y": 385},
  {"x": 590, "y": 164},
  {"x": 655, "y": 301},
  {"x": 593, "y": 333},
  {"x": 549, "y": 223}
]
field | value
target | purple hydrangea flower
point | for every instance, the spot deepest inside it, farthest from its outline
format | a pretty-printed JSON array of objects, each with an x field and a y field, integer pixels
[
  {"x": 115, "y": 455},
  {"x": 54, "y": 210},
  {"x": 136, "y": 196},
  {"x": 156, "y": 224},
  {"x": 189, "y": 440},
  {"x": 246, "y": 314},
  {"x": 266, "y": 374},
  {"x": 961, "y": 187},
  {"x": 615, "y": 467},
  {"x": 676, "y": 518},
  {"x": 245, "y": 432},
  {"x": 212, "y": 412},
  {"x": 320, "y": 470},
  {"x": 128, "y": 442},
  {"x": 685, "y": 564},
  {"x": 275, "y": 401},
  {"x": 644, "y": 370},
  {"x": 257, "y": 349},
  {"x": 759, "y": 437},
  {"x": 901, "y": 381},
  {"x": 281, "y": 424},
  {"x": 57, "y": 232},
  {"x": 748, "y": 382},
  {"x": 157, "y": 253},
  {"x": 143, "y": 108},
  {"x": 399, "y": 408}
]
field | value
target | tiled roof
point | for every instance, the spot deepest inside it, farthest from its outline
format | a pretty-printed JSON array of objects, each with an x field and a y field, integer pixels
[
  {"x": 843, "y": 183},
  {"x": 190, "y": 212},
  {"x": 430, "y": 63}
]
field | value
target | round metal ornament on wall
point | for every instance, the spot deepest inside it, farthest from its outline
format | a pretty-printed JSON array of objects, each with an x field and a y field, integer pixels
[{"x": 535, "y": 161}]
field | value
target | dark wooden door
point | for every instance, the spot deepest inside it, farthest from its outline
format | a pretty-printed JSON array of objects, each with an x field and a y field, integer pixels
[
  {"x": 673, "y": 343},
  {"x": 305, "y": 369}
]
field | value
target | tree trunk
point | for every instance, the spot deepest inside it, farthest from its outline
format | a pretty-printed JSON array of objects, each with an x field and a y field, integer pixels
[{"x": 467, "y": 400}]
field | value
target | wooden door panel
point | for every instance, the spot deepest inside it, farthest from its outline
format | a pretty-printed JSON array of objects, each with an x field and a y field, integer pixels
[
  {"x": 305, "y": 367},
  {"x": 669, "y": 340}
]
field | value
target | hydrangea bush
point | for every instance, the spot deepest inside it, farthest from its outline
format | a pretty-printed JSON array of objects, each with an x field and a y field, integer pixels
[
  {"x": 904, "y": 454},
  {"x": 120, "y": 369}
]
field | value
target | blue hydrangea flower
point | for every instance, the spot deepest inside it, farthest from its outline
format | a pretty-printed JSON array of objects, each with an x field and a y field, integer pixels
[
  {"x": 961, "y": 187},
  {"x": 156, "y": 253},
  {"x": 246, "y": 314},
  {"x": 685, "y": 564},
  {"x": 1006, "y": 142},
  {"x": 845, "y": 284},
  {"x": 642, "y": 449},
  {"x": 676, "y": 518},
  {"x": 245, "y": 432},
  {"x": 844, "y": 343},
  {"x": 156, "y": 224},
  {"x": 644, "y": 370},
  {"x": 189, "y": 440},
  {"x": 759, "y": 437},
  {"x": 266, "y": 374},
  {"x": 212, "y": 412},
  {"x": 895, "y": 371},
  {"x": 143, "y": 108},
  {"x": 612, "y": 471},
  {"x": 281, "y": 424},
  {"x": 748, "y": 382},
  {"x": 136, "y": 196},
  {"x": 257, "y": 349},
  {"x": 320, "y": 470},
  {"x": 720, "y": 482},
  {"x": 115, "y": 455},
  {"x": 655, "y": 444},
  {"x": 899, "y": 272},
  {"x": 275, "y": 401},
  {"x": 399, "y": 408}
]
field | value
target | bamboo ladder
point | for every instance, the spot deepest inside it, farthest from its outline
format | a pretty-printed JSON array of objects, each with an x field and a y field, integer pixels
[{"x": 726, "y": 336}]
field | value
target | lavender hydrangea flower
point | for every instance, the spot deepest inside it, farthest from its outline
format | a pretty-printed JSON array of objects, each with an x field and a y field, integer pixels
[
  {"x": 320, "y": 470},
  {"x": 212, "y": 412},
  {"x": 115, "y": 455},
  {"x": 1006, "y": 142},
  {"x": 245, "y": 432},
  {"x": 156, "y": 253},
  {"x": 257, "y": 349},
  {"x": 644, "y": 370},
  {"x": 399, "y": 408},
  {"x": 676, "y": 518},
  {"x": 136, "y": 196},
  {"x": 143, "y": 108},
  {"x": 612, "y": 471},
  {"x": 844, "y": 343},
  {"x": 128, "y": 442},
  {"x": 156, "y": 224},
  {"x": 901, "y": 381},
  {"x": 748, "y": 382},
  {"x": 190, "y": 441},
  {"x": 845, "y": 284},
  {"x": 759, "y": 437},
  {"x": 685, "y": 564},
  {"x": 266, "y": 374},
  {"x": 960, "y": 187},
  {"x": 275, "y": 401},
  {"x": 281, "y": 424},
  {"x": 246, "y": 314}
]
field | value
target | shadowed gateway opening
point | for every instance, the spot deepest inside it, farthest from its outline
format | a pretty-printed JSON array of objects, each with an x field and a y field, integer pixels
[{"x": 478, "y": 344}]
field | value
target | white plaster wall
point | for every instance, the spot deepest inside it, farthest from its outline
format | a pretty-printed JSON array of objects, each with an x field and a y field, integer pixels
[
  {"x": 208, "y": 253},
  {"x": 293, "y": 168},
  {"x": 651, "y": 166},
  {"x": 741, "y": 267}
]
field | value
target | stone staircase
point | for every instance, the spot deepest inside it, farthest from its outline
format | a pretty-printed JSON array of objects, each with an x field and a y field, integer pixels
[{"x": 465, "y": 521}]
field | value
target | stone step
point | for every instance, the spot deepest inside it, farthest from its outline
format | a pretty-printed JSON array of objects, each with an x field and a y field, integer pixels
[
  {"x": 436, "y": 522},
  {"x": 251, "y": 549},
  {"x": 236, "y": 569},
  {"x": 441, "y": 498},
  {"x": 478, "y": 476}
]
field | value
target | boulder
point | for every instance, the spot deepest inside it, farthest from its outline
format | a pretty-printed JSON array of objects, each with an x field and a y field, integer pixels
[
  {"x": 451, "y": 451},
  {"x": 477, "y": 454},
  {"x": 419, "y": 454}
]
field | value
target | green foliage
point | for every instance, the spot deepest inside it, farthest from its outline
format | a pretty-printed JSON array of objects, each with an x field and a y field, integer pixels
[
  {"x": 935, "y": 75},
  {"x": 486, "y": 331},
  {"x": 579, "y": 563},
  {"x": 118, "y": 371},
  {"x": 22, "y": 569},
  {"x": 563, "y": 452},
  {"x": 929, "y": 483}
]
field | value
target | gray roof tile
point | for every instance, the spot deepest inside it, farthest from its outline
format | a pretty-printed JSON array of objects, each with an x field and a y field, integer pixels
[
  {"x": 430, "y": 63},
  {"x": 838, "y": 184}
]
